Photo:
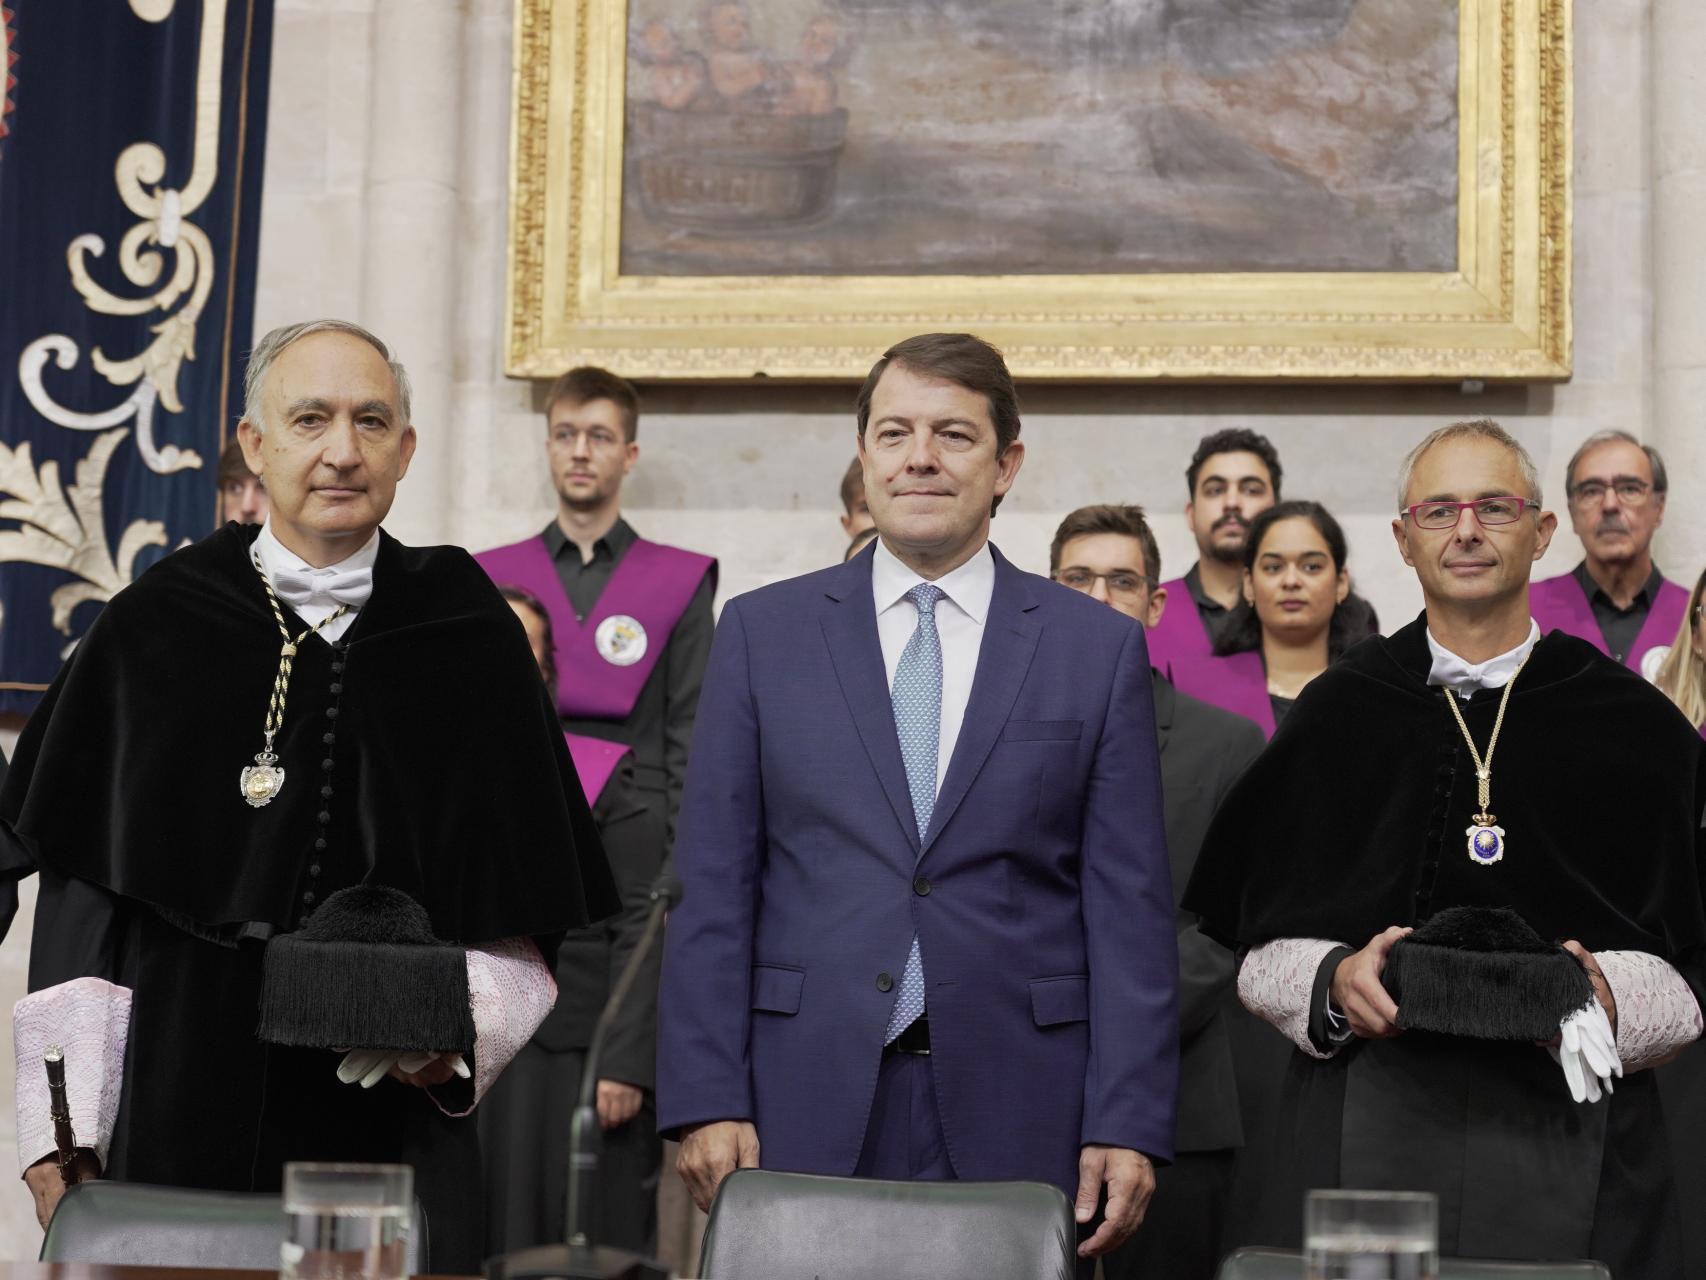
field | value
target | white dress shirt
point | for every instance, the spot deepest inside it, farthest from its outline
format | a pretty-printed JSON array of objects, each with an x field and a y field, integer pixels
[
  {"x": 1464, "y": 678},
  {"x": 960, "y": 617},
  {"x": 274, "y": 556}
]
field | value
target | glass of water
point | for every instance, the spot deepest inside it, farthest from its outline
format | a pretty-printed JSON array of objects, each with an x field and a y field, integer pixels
[
  {"x": 1371, "y": 1235},
  {"x": 347, "y": 1221}
]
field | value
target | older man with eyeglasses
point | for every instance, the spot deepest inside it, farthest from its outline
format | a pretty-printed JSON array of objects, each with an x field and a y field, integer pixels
[
  {"x": 1433, "y": 882},
  {"x": 1616, "y": 599}
]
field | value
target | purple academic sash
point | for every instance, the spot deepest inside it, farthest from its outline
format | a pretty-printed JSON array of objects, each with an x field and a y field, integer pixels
[
  {"x": 651, "y": 586},
  {"x": 595, "y": 762},
  {"x": 1560, "y": 604},
  {"x": 1237, "y": 683},
  {"x": 1181, "y": 634}
]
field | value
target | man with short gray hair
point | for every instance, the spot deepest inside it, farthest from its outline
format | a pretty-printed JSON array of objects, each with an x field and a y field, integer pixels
[
  {"x": 326, "y": 949},
  {"x": 1616, "y": 599}
]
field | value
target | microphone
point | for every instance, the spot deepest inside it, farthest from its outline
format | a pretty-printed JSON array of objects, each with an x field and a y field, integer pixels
[{"x": 580, "y": 1259}]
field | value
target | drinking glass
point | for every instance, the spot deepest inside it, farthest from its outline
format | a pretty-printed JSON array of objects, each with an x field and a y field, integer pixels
[
  {"x": 347, "y": 1221},
  {"x": 1371, "y": 1235}
]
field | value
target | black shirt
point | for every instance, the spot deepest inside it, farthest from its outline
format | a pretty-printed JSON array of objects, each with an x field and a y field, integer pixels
[
  {"x": 584, "y": 582},
  {"x": 660, "y": 726},
  {"x": 1215, "y": 616},
  {"x": 1619, "y": 627}
]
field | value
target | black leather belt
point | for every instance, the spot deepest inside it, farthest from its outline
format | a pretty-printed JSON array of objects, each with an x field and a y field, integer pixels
[{"x": 915, "y": 1039}]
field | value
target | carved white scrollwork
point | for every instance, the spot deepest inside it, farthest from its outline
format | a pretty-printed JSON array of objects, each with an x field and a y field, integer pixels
[
  {"x": 165, "y": 253},
  {"x": 64, "y": 528}
]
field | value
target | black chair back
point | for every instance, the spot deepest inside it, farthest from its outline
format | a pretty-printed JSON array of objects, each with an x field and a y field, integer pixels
[
  {"x": 1287, "y": 1264},
  {"x": 134, "y": 1224},
  {"x": 782, "y": 1226}
]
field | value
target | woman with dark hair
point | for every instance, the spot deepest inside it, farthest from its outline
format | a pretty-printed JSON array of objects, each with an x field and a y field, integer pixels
[
  {"x": 524, "y": 1120},
  {"x": 1299, "y": 615}
]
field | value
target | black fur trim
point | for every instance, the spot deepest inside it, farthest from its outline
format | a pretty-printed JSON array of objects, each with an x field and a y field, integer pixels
[
  {"x": 365, "y": 972},
  {"x": 1484, "y": 973}
]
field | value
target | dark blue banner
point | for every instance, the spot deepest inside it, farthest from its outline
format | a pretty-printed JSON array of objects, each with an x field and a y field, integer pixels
[{"x": 131, "y": 148}]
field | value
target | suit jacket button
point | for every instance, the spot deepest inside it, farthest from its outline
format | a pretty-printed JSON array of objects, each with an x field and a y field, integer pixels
[
  {"x": 921, "y": 887},
  {"x": 884, "y": 982}
]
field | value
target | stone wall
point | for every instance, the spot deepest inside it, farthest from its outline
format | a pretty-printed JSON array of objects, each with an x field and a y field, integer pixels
[{"x": 385, "y": 203}]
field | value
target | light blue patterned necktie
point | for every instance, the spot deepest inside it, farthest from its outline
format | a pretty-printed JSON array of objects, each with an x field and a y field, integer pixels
[{"x": 917, "y": 698}]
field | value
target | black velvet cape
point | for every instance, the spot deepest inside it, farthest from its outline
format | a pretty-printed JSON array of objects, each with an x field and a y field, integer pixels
[
  {"x": 419, "y": 753},
  {"x": 1354, "y": 818}
]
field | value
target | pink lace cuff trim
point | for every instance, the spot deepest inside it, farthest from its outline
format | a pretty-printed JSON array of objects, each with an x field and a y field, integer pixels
[
  {"x": 1656, "y": 1012},
  {"x": 88, "y": 1018},
  {"x": 511, "y": 990},
  {"x": 1276, "y": 981}
]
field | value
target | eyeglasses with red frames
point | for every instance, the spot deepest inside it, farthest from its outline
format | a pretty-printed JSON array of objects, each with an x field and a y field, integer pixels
[{"x": 1488, "y": 511}]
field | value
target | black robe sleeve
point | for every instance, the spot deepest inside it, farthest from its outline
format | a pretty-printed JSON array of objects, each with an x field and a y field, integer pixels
[
  {"x": 634, "y": 841},
  {"x": 684, "y": 668}
]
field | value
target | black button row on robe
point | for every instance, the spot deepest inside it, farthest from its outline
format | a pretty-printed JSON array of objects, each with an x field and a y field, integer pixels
[{"x": 324, "y": 817}]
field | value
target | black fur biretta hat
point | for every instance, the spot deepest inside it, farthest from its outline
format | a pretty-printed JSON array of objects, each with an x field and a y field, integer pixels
[
  {"x": 366, "y": 972},
  {"x": 1484, "y": 972}
]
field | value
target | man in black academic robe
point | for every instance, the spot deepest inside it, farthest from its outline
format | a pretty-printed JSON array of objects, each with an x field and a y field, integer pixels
[
  {"x": 419, "y": 752},
  {"x": 1355, "y": 825}
]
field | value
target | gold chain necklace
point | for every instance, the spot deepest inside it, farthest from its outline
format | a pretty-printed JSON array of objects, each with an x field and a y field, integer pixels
[
  {"x": 263, "y": 780},
  {"x": 1486, "y": 838}
]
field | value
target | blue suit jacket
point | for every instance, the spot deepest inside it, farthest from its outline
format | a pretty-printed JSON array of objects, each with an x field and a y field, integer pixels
[{"x": 1040, "y": 894}]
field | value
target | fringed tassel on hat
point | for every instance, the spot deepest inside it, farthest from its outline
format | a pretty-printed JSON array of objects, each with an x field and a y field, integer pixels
[
  {"x": 366, "y": 973},
  {"x": 1484, "y": 973}
]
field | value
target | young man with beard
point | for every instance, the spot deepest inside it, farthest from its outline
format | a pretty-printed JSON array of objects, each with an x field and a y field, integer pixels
[{"x": 1234, "y": 476}]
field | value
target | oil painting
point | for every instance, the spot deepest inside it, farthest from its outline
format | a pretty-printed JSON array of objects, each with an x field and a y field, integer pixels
[{"x": 989, "y": 137}]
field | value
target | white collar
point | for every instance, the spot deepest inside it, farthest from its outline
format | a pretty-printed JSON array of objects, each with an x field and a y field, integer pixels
[
  {"x": 274, "y": 555},
  {"x": 1466, "y": 677},
  {"x": 970, "y": 586}
]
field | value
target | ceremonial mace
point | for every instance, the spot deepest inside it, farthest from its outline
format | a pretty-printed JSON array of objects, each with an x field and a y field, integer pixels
[
  {"x": 581, "y": 1258},
  {"x": 59, "y": 1107}
]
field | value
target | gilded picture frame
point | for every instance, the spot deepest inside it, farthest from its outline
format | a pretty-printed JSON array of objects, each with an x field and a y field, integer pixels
[{"x": 1502, "y": 312}]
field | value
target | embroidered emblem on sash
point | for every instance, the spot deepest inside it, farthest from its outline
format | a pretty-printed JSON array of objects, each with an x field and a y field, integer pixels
[{"x": 621, "y": 640}]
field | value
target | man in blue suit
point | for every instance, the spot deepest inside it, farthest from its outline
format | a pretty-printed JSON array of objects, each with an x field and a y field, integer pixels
[{"x": 927, "y": 929}]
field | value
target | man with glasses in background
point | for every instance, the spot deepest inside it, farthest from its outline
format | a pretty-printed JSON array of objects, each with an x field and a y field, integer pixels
[
  {"x": 631, "y": 626},
  {"x": 1379, "y": 808},
  {"x": 1615, "y": 599},
  {"x": 1110, "y": 554}
]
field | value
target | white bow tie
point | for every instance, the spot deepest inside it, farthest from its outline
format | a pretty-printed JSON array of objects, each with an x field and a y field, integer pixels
[
  {"x": 298, "y": 587},
  {"x": 1454, "y": 673}
]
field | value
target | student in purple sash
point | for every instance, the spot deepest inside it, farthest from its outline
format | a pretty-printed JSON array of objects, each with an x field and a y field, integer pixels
[
  {"x": 1616, "y": 599},
  {"x": 855, "y": 511},
  {"x": 1110, "y": 554},
  {"x": 632, "y": 618},
  {"x": 927, "y": 929},
  {"x": 1429, "y": 879},
  {"x": 1234, "y": 476},
  {"x": 1298, "y": 615},
  {"x": 524, "y": 1121},
  {"x": 1681, "y": 676}
]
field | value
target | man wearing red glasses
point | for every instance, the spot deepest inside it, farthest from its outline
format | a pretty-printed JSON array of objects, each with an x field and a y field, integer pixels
[
  {"x": 1424, "y": 803},
  {"x": 1615, "y": 599}
]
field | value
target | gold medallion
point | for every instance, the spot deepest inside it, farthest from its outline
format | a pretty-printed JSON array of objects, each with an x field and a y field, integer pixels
[{"x": 262, "y": 780}]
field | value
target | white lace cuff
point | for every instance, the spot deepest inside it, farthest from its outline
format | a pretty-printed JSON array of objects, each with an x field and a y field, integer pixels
[
  {"x": 88, "y": 1018},
  {"x": 1276, "y": 982},
  {"x": 1656, "y": 1012},
  {"x": 511, "y": 990}
]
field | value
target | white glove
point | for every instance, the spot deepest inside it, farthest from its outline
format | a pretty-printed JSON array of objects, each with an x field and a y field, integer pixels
[
  {"x": 370, "y": 1066},
  {"x": 1587, "y": 1051}
]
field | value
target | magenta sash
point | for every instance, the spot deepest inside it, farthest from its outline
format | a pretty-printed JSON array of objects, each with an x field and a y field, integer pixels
[
  {"x": 595, "y": 762},
  {"x": 1560, "y": 604},
  {"x": 1237, "y": 683},
  {"x": 652, "y": 585},
  {"x": 1181, "y": 634}
]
